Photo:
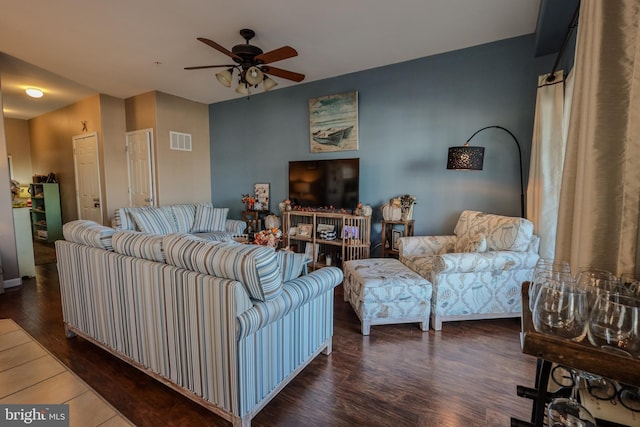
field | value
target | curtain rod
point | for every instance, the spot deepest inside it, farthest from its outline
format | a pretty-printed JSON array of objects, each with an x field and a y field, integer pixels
[{"x": 574, "y": 23}]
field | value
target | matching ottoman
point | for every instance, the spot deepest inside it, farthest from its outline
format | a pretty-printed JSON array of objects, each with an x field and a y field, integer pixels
[{"x": 385, "y": 291}]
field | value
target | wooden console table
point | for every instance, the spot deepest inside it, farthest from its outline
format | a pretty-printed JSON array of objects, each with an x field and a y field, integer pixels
[{"x": 550, "y": 349}]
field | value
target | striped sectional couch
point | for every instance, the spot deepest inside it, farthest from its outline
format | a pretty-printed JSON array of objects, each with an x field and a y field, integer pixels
[
  {"x": 201, "y": 219},
  {"x": 228, "y": 325}
]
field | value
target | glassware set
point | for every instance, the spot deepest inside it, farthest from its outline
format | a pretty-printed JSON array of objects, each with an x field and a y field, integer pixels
[{"x": 594, "y": 304}]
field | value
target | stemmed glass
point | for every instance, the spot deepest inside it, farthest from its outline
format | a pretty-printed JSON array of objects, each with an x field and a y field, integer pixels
[
  {"x": 544, "y": 270},
  {"x": 631, "y": 284},
  {"x": 597, "y": 282},
  {"x": 614, "y": 324},
  {"x": 561, "y": 309},
  {"x": 567, "y": 411}
]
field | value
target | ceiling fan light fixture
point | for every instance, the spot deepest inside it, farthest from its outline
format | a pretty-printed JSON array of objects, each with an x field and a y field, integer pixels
[
  {"x": 254, "y": 75},
  {"x": 269, "y": 83},
  {"x": 34, "y": 92},
  {"x": 243, "y": 89},
  {"x": 225, "y": 77}
]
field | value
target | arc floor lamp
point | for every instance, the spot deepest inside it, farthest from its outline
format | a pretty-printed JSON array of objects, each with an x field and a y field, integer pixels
[{"x": 468, "y": 157}]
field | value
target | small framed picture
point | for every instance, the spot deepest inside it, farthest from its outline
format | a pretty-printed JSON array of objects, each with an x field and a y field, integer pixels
[
  {"x": 325, "y": 227},
  {"x": 304, "y": 230},
  {"x": 350, "y": 232},
  {"x": 293, "y": 231},
  {"x": 261, "y": 192},
  {"x": 395, "y": 236}
]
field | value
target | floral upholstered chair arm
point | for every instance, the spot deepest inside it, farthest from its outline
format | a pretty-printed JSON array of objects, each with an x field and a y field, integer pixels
[
  {"x": 426, "y": 245},
  {"x": 419, "y": 252}
]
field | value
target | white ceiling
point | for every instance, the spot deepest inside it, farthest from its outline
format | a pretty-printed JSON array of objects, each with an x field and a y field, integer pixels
[{"x": 124, "y": 48}]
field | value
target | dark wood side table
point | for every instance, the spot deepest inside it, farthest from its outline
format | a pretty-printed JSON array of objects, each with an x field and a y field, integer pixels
[{"x": 391, "y": 231}]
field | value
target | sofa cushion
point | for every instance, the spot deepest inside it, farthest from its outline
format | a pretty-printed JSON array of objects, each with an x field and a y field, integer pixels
[
  {"x": 208, "y": 219},
  {"x": 477, "y": 243},
  {"x": 154, "y": 220},
  {"x": 291, "y": 264},
  {"x": 138, "y": 244},
  {"x": 503, "y": 233},
  {"x": 88, "y": 233},
  {"x": 122, "y": 219},
  {"x": 254, "y": 266},
  {"x": 183, "y": 216}
]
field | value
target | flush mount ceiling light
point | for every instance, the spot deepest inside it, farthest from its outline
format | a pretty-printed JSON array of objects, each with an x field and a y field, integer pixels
[
  {"x": 34, "y": 92},
  {"x": 251, "y": 65}
]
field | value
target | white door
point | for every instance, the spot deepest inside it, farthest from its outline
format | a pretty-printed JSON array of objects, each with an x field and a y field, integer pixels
[
  {"x": 87, "y": 168},
  {"x": 140, "y": 165}
]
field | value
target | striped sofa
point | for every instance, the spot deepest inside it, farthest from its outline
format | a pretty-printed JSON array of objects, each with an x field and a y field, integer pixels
[
  {"x": 228, "y": 325},
  {"x": 202, "y": 219}
]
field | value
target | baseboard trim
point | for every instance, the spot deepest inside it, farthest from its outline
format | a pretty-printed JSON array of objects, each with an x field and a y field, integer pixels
[{"x": 12, "y": 283}]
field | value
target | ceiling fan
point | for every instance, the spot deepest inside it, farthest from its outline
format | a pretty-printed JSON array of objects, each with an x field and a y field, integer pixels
[{"x": 251, "y": 64}]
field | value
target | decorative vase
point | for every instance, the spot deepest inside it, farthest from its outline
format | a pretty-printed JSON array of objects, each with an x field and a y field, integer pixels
[{"x": 407, "y": 213}]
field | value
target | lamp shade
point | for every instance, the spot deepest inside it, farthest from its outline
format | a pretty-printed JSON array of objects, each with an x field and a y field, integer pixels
[
  {"x": 269, "y": 83},
  {"x": 254, "y": 76},
  {"x": 243, "y": 89},
  {"x": 225, "y": 77},
  {"x": 465, "y": 158}
]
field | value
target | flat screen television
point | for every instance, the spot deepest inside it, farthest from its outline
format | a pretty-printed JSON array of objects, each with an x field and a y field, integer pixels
[{"x": 325, "y": 183}]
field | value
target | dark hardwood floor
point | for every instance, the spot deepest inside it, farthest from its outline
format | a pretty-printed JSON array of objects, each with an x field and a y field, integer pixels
[{"x": 465, "y": 375}]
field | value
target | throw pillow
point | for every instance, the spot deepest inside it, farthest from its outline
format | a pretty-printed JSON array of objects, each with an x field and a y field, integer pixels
[
  {"x": 209, "y": 219},
  {"x": 291, "y": 264},
  {"x": 139, "y": 245},
  {"x": 476, "y": 243},
  {"x": 88, "y": 233},
  {"x": 154, "y": 220}
]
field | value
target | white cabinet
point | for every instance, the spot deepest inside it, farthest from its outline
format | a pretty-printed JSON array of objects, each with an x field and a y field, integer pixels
[{"x": 24, "y": 242}]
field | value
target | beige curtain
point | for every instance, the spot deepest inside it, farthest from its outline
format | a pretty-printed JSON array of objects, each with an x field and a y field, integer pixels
[
  {"x": 600, "y": 196},
  {"x": 547, "y": 158}
]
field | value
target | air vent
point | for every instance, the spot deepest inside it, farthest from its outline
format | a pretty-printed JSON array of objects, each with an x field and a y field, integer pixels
[{"x": 180, "y": 141}]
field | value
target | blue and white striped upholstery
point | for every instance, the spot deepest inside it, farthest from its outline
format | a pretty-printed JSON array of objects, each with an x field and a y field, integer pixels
[
  {"x": 88, "y": 233},
  {"x": 138, "y": 244},
  {"x": 180, "y": 219},
  {"x": 122, "y": 219},
  {"x": 154, "y": 220},
  {"x": 183, "y": 216},
  {"x": 209, "y": 219},
  {"x": 294, "y": 294},
  {"x": 254, "y": 266},
  {"x": 291, "y": 264},
  {"x": 198, "y": 333}
]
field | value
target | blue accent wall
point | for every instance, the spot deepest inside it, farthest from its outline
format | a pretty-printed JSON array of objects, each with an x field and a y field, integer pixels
[{"x": 409, "y": 114}]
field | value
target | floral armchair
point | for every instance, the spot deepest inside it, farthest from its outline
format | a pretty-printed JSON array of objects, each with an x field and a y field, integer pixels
[{"x": 477, "y": 272}]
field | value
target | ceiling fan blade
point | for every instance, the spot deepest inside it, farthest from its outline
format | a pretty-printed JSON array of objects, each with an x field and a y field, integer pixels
[
  {"x": 276, "y": 55},
  {"x": 199, "y": 67},
  {"x": 219, "y": 48},
  {"x": 279, "y": 72}
]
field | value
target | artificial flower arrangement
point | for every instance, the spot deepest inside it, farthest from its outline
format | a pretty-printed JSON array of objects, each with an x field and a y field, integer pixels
[
  {"x": 407, "y": 200},
  {"x": 269, "y": 237},
  {"x": 249, "y": 201}
]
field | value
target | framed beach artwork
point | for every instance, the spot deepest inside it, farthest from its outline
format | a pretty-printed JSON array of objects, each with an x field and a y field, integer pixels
[{"x": 333, "y": 122}]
